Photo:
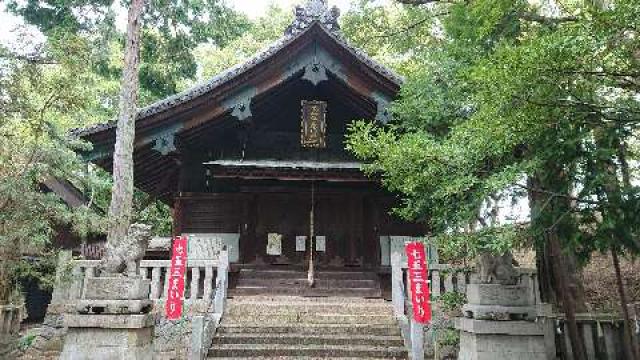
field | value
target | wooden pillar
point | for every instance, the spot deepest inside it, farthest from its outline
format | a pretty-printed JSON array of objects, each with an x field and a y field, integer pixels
[
  {"x": 353, "y": 233},
  {"x": 178, "y": 217},
  {"x": 178, "y": 202},
  {"x": 357, "y": 229},
  {"x": 248, "y": 231}
]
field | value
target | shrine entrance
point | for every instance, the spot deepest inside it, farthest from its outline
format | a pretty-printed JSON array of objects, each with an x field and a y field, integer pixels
[{"x": 283, "y": 228}]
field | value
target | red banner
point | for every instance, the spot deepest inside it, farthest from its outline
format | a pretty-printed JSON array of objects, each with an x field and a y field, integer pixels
[
  {"x": 418, "y": 280},
  {"x": 175, "y": 290}
]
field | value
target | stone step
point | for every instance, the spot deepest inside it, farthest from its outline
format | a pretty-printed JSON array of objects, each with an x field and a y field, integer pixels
[
  {"x": 302, "y": 275},
  {"x": 325, "y": 318},
  {"x": 306, "y": 339},
  {"x": 312, "y": 329},
  {"x": 284, "y": 299},
  {"x": 302, "y": 282},
  {"x": 305, "y": 291},
  {"x": 326, "y": 351},
  {"x": 296, "y": 358},
  {"x": 250, "y": 309}
]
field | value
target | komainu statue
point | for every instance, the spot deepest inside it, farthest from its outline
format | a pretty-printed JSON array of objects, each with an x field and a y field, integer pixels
[
  {"x": 126, "y": 254},
  {"x": 497, "y": 269}
]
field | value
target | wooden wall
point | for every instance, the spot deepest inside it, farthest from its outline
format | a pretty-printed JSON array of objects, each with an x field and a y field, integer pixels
[{"x": 352, "y": 222}]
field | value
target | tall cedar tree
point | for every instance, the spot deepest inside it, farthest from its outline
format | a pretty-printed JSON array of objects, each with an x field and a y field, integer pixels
[{"x": 122, "y": 191}]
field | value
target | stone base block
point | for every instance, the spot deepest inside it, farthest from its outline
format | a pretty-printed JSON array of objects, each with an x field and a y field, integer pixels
[
  {"x": 496, "y": 294},
  {"x": 501, "y": 340},
  {"x": 107, "y": 337},
  {"x": 109, "y": 321},
  {"x": 113, "y": 306},
  {"x": 117, "y": 287},
  {"x": 499, "y": 312}
]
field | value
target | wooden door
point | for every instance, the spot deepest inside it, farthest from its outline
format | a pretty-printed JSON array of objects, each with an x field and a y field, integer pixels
[{"x": 284, "y": 214}]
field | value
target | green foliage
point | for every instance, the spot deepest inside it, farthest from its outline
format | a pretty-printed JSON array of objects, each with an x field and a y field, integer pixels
[
  {"x": 151, "y": 212},
  {"x": 510, "y": 102},
  {"x": 467, "y": 245},
  {"x": 391, "y": 34},
  {"x": 40, "y": 270},
  {"x": 26, "y": 341},
  {"x": 73, "y": 81},
  {"x": 452, "y": 301},
  {"x": 214, "y": 59},
  {"x": 171, "y": 32},
  {"x": 448, "y": 337}
]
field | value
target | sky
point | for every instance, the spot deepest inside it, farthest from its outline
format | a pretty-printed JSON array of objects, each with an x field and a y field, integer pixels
[{"x": 253, "y": 9}]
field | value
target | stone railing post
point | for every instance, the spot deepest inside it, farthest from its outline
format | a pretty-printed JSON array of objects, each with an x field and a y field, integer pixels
[
  {"x": 62, "y": 287},
  {"x": 198, "y": 351},
  {"x": 397, "y": 287},
  {"x": 221, "y": 282},
  {"x": 417, "y": 340},
  {"x": 435, "y": 281}
]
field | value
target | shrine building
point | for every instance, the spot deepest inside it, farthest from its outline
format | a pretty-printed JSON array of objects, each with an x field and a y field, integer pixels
[{"x": 255, "y": 160}]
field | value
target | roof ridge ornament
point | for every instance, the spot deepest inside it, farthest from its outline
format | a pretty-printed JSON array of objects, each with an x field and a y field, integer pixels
[{"x": 314, "y": 10}]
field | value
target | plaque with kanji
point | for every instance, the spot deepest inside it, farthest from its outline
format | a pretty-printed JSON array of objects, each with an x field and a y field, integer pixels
[{"x": 314, "y": 124}]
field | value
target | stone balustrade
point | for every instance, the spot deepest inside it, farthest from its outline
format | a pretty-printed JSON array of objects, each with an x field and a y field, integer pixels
[
  {"x": 200, "y": 283},
  {"x": 443, "y": 278},
  {"x": 206, "y": 285}
]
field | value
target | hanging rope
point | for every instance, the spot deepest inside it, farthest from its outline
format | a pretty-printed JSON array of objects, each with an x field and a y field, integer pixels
[{"x": 311, "y": 274}]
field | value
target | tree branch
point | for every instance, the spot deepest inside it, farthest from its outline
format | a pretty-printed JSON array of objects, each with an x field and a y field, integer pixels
[
  {"x": 554, "y": 194},
  {"x": 529, "y": 16},
  {"x": 421, "y": 2}
]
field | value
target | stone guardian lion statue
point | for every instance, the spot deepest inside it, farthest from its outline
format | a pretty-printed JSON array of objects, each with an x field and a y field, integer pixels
[
  {"x": 496, "y": 269},
  {"x": 126, "y": 254}
]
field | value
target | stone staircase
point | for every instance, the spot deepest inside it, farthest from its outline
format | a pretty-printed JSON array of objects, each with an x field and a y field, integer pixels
[
  {"x": 293, "y": 281},
  {"x": 292, "y": 327}
]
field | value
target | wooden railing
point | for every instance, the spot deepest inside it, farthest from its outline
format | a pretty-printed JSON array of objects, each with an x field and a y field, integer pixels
[
  {"x": 603, "y": 336},
  {"x": 443, "y": 279}
]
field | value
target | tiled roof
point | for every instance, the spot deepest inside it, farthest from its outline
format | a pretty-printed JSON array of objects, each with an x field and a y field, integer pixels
[{"x": 305, "y": 19}]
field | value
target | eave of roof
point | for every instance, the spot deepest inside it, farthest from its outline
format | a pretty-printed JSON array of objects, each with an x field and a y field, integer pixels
[
  {"x": 238, "y": 70},
  {"x": 286, "y": 164}
]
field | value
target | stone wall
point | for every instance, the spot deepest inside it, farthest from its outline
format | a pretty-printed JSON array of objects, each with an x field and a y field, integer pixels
[
  {"x": 48, "y": 340},
  {"x": 172, "y": 339}
]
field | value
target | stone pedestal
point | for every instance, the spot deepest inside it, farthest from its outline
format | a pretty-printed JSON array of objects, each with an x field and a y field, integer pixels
[
  {"x": 108, "y": 337},
  {"x": 112, "y": 321},
  {"x": 499, "y": 302},
  {"x": 500, "y": 340},
  {"x": 499, "y": 324}
]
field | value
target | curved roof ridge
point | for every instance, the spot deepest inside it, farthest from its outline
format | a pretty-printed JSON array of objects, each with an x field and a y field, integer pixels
[{"x": 231, "y": 73}]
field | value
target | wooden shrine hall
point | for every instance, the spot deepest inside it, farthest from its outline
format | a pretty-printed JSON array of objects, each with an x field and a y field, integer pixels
[{"x": 255, "y": 158}]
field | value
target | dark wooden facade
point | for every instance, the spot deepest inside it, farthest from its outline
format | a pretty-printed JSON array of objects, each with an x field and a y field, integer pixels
[{"x": 227, "y": 155}]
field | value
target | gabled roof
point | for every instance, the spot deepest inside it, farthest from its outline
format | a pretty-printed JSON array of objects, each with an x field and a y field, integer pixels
[
  {"x": 314, "y": 17},
  {"x": 311, "y": 54}
]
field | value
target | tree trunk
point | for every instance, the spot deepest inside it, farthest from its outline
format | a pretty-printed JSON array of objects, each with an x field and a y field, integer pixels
[
  {"x": 120, "y": 208},
  {"x": 8, "y": 255},
  {"x": 554, "y": 267},
  {"x": 568, "y": 304},
  {"x": 626, "y": 183},
  {"x": 5, "y": 283},
  {"x": 628, "y": 335},
  {"x": 612, "y": 203}
]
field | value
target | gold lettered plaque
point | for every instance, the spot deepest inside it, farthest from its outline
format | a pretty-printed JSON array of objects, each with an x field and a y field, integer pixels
[{"x": 314, "y": 124}]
